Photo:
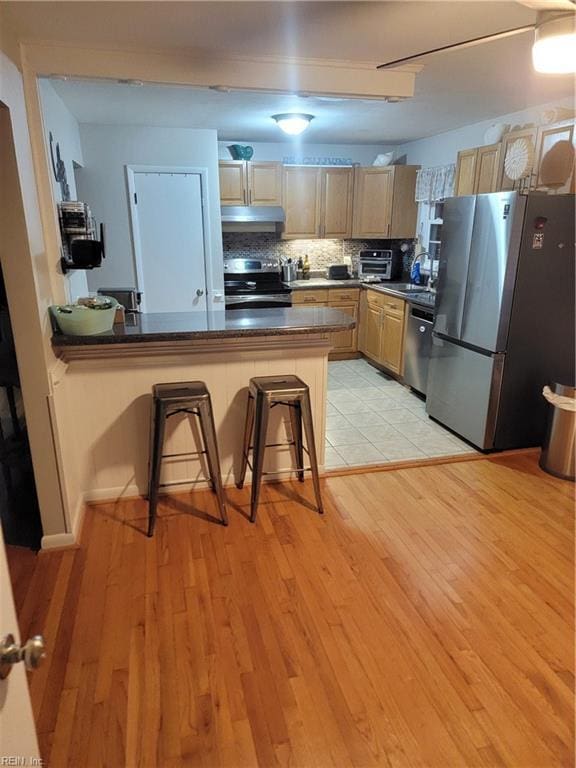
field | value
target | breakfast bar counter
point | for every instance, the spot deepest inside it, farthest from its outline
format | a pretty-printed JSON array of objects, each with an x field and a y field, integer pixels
[
  {"x": 154, "y": 328},
  {"x": 102, "y": 393}
]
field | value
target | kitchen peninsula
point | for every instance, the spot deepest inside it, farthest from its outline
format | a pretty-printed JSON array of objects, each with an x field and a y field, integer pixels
[{"x": 102, "y": 388}]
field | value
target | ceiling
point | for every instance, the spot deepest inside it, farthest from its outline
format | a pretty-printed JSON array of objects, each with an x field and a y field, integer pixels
[
  {"x": 365, "y": 31},
  {"x": 454, "y": 89}
]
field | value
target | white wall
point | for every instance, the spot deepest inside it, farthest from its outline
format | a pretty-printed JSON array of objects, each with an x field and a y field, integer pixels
[
  {"x": 102, "y": 184},
  {"x": 359, "y": 153},
  {"x": 59, "y": 121},
  {"x": 443, "y": 148}
]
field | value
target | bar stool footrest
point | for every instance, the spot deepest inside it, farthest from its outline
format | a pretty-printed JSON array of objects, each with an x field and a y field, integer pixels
[{"x": 180, "y": 455}]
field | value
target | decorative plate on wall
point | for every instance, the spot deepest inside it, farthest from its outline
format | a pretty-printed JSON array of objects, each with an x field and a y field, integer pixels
[{"x": 519, "y": 159}]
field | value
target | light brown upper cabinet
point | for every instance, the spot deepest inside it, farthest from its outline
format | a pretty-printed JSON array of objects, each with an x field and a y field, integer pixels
[
  {"x": 337, "y": 188},
  {"x": 250, "y": 183},
  {"x": 487, "y": 167},
  {"x": 477, "y": 170},
  {"x": 302, "y": 202},
  {"x": 465, "y": 176},
  {"x": 264, "y": 183},
  {"x": 384, "y": 205},
  {"x": 233, "y": 184},
  {"x": 318, "y": 202}
]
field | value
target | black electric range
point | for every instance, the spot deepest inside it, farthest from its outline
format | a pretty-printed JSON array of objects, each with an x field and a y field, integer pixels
[{"x": 254, "y": 284}]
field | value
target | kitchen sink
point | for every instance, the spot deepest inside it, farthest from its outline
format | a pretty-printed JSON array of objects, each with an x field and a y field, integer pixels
[
  {"x": 415, "y": 289},
  {"x": 408, "y": 288}
]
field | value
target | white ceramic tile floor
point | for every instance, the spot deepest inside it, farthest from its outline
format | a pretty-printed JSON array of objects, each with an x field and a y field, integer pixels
[{"x": 373, "y": 419}]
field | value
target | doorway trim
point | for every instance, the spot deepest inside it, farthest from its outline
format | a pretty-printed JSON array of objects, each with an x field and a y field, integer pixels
[
  {"x": 131, "y": 171},
  {"x": 20, "y": 255}
]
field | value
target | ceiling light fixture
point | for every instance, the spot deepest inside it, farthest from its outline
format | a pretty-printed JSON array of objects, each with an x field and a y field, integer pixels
[
  {"x": 554, "y": 49},
  {"x": 293, "y": 123}
]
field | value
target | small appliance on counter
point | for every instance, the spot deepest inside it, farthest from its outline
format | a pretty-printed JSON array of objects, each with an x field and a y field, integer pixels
[
  {"x": 129, "y": 298},
  {"x": 338, "y": 272},
  {"x": 380, "y": 265}
]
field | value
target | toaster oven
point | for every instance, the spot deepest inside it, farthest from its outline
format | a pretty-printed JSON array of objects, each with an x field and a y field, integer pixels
[{"x": 382, "y": 264}]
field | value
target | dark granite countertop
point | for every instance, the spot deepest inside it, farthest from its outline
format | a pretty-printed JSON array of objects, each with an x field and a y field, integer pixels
[
  {"x": 416, "y": 295},
  {"x": 188, "y": 326}
]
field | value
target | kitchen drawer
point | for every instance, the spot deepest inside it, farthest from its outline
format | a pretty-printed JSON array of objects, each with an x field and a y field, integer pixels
[
  {"x": 343, "y": 294},
  {"x": 306, "y": 296},
  {"x": 385, "y": 301}
]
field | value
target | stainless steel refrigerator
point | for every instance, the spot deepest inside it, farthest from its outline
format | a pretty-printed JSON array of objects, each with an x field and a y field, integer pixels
[{"x": 505, "y": 316}]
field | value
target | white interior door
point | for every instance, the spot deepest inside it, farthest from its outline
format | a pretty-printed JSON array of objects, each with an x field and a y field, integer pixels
[
  {"x": 169, "y": 240},
  {"x": 17, "y": 730}
]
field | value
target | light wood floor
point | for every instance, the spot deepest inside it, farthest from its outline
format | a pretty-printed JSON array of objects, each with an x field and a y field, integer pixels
[{"x": 425, "y": 620}]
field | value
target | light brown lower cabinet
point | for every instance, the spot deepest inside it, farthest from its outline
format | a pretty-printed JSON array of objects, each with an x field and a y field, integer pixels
[
  {"x": 344, "y": 343},
  {"x": 381, "y": 332},
  {"x": 392, "y": 342}
]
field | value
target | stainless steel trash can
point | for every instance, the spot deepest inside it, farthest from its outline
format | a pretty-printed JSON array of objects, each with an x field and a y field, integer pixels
[{"x": 558, "y": 452}]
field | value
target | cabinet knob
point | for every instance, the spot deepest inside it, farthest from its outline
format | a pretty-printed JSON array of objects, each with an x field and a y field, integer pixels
[{"x": 199, "y": 292}]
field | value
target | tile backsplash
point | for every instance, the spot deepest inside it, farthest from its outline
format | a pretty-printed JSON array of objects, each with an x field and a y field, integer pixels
[{"x": 321, "y": 253}]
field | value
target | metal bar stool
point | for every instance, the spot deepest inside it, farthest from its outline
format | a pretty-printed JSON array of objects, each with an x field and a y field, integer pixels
[
  {"x": 168, "y": 400},
  {"x": 265, "y": 393}
]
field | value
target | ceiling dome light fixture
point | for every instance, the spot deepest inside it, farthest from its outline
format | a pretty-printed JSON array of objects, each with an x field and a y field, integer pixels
[
  {"x": 293, "y": 123},
  {"x": 554, "y": 49}
]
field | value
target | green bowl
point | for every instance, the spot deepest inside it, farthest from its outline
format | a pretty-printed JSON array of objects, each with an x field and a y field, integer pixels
[{"x": 75, "y": 320}]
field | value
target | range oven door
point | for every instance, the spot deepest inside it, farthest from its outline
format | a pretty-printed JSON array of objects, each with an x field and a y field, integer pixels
[{"x": 259, "y": 301}]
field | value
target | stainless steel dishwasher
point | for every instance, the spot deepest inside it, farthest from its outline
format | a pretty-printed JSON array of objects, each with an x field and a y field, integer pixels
[{"x": 418, "y": 347}]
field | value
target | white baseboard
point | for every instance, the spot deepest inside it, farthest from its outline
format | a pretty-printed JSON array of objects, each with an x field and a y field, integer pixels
[
  {"x": 58, "y": 540},
  {"x": 112, "y": 494},
  {"x": 131, "y": 491},
  {"x": 78, "y": 521}
]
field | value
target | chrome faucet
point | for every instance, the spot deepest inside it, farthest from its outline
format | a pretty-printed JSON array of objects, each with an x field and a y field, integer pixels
[{"x": 417, "y": 257}]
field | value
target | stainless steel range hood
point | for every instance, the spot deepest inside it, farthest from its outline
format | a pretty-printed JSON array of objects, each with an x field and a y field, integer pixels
[{"x": 252, "y": 218}]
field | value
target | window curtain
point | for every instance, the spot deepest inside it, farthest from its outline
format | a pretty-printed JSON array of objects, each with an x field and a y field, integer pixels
[{"x": 435, "y": 184}]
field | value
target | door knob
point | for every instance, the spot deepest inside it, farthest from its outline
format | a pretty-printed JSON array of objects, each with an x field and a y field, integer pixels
[
  {"x": 199, "y": 292},
  {"x": 31, "y": 653}
]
